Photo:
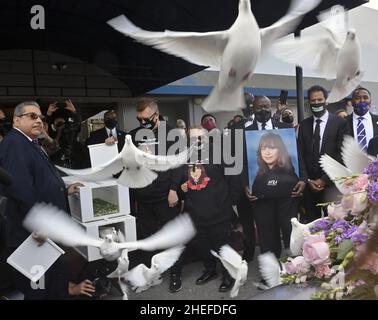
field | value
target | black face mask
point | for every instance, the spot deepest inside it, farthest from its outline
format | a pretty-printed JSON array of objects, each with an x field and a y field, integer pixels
[
  {"x": 263, "y": 116},
  {"x": 148, "y": 124},
  {"x": 317, "y": 109},
  {"x": 111, "y": 123}
]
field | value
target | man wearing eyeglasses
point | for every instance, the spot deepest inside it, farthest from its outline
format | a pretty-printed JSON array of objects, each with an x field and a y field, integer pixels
[
  {"x": 35, "y": 179},
  {"x": 156, "y": 203}
]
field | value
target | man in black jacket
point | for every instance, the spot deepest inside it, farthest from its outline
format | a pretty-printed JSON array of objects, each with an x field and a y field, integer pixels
[
  {"x": 319, "y": 134},
  {"x": 362, "y": 125},
  {"x": 157, "y": 203},
  {"x": 110, "y": 134}
]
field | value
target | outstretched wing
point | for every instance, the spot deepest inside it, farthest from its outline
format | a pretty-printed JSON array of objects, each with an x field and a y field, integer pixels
[
  {"x": 199, "y": 48},
  {"x": 57, "y": 225}
]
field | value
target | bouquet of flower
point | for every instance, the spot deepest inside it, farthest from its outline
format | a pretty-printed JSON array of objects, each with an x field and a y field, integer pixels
[{"x": 340, "y": 252}]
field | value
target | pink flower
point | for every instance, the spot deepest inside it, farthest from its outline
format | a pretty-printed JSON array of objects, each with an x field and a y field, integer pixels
[
  {"x": 336, "y": 211},
  {"x": 356, "y": 202},
  {"x": 297, "y": 265},
  {"x": 316, "y": 250},
  {"x": 322, "y": 270},
  {"x": 360, "y": 183}
]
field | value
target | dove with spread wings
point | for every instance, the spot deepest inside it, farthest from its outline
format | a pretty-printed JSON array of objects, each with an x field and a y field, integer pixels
[
  {"x": 234, "y": 51},
  {"x": 137, "y": 166},
  {"x": 333, "y": 51},
  {"x": 235, "y": 265},
  {"x": 50, "y": 222}
]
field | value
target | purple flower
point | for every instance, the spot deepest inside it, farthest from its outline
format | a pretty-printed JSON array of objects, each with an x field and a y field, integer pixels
[
  {"x": 321, "y": 225},
  {"x": 372, "y": 170},
  {"x": 359, "y": 238},
  {"x": 372, "y": 192},
  {"x": 340, "y": 224}
]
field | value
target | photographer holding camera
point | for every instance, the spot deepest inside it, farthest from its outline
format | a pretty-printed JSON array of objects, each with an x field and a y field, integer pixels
[{"x": 64, "y": 126}]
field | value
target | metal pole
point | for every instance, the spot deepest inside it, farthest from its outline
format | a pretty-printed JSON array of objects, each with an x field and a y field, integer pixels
[{"x": 300, "y": 92}]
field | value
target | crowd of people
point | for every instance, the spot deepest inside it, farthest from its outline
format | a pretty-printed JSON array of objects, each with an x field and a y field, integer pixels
[{"x": 33, "y": 143}]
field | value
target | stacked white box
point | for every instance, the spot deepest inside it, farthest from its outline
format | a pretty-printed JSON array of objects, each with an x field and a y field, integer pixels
[
  {"x": 126, "y": 224},
  {"x": 82, "y": 207},
  {"x": 82, "y": 211}
]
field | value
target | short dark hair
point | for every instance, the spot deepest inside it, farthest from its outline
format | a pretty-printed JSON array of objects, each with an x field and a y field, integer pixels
[
  {"x": 359, "y": 89},
  {"x": 208, "y": 115},
  {"x": 108, "y": 112},
  {"x": 317, "y": 88}
]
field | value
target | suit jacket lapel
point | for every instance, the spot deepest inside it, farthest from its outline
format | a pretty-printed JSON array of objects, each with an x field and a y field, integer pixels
[
  {"x": 309, "y": 132},
  {"x": 326, "y": 130},
  {"x": 374, "y": 119},
  {"x": 350, "y": 124}
]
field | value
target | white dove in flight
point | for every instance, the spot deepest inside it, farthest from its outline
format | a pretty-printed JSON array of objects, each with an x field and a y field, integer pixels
[
  {"x": 235, "y": 265},
  {"x": 270, "y": 268},
  {"x": 355, "y": 160},
  {"x": 50, "y": 222},
  {"x": 333, "y": 51},
  {"x": 234, "y": 51},
  {"x": 123, "y": 260},
  {"x": 141, "y": 278},
  {"x": 138, "y": 166},
  {"x": 121, "y": 270}
]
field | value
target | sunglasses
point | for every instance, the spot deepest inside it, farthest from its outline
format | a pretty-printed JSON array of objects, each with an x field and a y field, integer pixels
[
  {"x": 146, "y": 119},
  {"x": 32, "y": 115}
]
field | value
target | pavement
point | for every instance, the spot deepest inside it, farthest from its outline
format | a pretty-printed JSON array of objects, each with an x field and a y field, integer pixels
[{"x": 191, "y": 291}]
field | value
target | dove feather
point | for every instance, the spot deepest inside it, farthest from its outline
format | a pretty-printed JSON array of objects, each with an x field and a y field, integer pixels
[
  {"x": 199, "y": 48},
  {"x": 354, "y": 158},
  {"x": 176, "y": 232},
  {"x": 166, "y": 259},
  {"x": 57, "y": 225},
  {"x": 270, "y": 269}
]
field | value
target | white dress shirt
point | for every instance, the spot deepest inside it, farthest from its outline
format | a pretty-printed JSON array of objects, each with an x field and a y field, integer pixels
[
  {"x": 368, "y": 124},
  {"x": 323, "y": 123},
  {"x": 30, "y": 139},
  {"x": 113, "y": 131},
  {"x": 268, "y": 125}
]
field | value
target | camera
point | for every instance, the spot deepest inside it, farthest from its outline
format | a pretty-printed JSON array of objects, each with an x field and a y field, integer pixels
[{"x": 60, "y": 105}]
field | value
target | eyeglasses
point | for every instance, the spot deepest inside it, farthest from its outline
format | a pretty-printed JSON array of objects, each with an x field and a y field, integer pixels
[
  {"x": 146, "y": 119},
  {"x": 33, "y": 115}
]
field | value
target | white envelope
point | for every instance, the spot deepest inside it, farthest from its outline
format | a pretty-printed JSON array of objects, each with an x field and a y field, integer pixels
[{"x": 32, "y": 260}]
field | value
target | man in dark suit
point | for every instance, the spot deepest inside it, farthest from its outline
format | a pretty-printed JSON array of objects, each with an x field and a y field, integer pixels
[
  {"x": 35, "y": 179},
  {"x": 319, "y": 134},
  {"x": 362, "y": 125},
  {"x": 110, "y": 134}
]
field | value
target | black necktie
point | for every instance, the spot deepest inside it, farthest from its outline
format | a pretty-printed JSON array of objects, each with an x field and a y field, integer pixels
[
  {"x": 263, "y": 125},
  {"x": 316, "y": 147}
]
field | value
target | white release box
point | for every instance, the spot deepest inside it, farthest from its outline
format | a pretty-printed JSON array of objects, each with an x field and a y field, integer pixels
[
  {"x": 102, "y": 153},
  {"x": 126, "y": 224},
  {"x": 99, "y": 200}
]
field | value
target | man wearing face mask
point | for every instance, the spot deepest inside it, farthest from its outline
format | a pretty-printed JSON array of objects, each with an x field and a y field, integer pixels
[
  {"x": 322, "y": 133},
  {"x": 362, "y": 125},
  {"x": 110, "y": 134},
  {"x": 156, "y": 203}
]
